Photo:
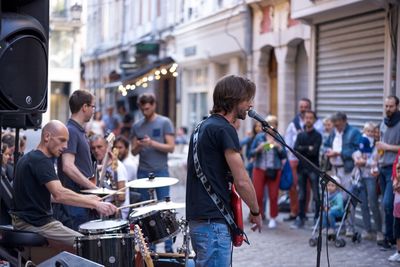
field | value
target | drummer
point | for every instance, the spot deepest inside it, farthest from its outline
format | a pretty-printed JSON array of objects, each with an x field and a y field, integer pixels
[
  {"x": 36, "y": 184},
  {"x": 116, "y": 174}
]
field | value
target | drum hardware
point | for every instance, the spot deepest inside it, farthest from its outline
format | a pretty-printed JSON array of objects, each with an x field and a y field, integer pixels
[{"x": 185, "y": 249}]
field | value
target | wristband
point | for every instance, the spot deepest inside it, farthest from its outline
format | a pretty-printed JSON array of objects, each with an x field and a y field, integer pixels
[{"x": 254, "y": 213}]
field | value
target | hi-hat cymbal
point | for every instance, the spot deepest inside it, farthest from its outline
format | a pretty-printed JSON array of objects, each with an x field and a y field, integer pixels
[
  {"x": 100, "y": 191},
  {"x": 152, "y": 183}
]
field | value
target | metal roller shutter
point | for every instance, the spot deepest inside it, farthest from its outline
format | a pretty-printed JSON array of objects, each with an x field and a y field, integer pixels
[{"x": 350, "y": 61}]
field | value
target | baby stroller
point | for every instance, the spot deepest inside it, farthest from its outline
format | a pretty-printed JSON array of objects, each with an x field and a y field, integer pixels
[{"x": 338, "y": 241}]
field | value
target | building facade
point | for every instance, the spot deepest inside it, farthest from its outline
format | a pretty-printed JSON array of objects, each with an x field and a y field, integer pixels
[
  {"x": 64, "y": 57},
  {"x": 354, "y": 55}
]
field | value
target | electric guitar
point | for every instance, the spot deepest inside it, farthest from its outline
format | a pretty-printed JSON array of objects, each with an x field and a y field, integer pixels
[
  {"x": 236, "y": 205},
  {"x": 144, "y": 252},
  {"x": 110, "y": 141}
]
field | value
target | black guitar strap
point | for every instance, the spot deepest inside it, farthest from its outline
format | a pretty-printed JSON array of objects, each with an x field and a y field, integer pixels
[{"x": 207, "y": 186}]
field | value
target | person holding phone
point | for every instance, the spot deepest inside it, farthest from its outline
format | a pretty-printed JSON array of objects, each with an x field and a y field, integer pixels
[{"x": 153, "y": 137}]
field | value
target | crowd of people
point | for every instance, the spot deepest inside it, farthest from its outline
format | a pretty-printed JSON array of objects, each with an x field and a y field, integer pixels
[
  {"x": 78, "y": 156},
  {"x": 363, "y": 162}
]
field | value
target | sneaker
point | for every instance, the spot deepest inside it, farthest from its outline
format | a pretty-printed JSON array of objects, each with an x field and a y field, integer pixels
[
  {"x": 331, "y": 231},
  {"x": 367, "y": 235},
  {"x": 349, "y": 233},
  {"x": 395, "y": 257},
  {"x": 385, "y": 244},
  {"x": 298, "y": 223},
  {"x": 379, "y": 237},
  {"x": 289, "y": 218},
  {"x": 272, "y": 223}
]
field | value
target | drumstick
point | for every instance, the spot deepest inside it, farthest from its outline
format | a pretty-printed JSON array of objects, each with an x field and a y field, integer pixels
[
  {"x": 137, "y": 204},
  {"x": 113, "y": 193}
]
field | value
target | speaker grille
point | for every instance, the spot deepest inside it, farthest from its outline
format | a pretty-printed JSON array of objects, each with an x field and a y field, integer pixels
[{"x": 23, "y": 74}]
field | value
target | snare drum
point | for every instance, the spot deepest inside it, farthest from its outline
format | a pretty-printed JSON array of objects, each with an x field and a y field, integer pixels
[
  {"x": 157, "y": 226},
  {"x": 114, "y": 250},
  {"x": 97, "y": 227}
]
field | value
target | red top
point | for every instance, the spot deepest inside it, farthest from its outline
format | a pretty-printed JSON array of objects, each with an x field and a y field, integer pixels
[{"x": 395, "y": 164}]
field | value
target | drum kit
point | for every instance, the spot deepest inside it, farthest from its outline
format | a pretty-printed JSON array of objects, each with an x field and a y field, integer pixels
[{"x": 112, "y": 242}]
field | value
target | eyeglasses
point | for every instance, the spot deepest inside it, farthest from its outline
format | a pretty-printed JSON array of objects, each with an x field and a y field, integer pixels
[{"x": 92, "y": 106}]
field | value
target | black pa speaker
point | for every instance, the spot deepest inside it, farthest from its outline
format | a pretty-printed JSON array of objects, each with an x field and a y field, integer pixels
[
  {"x": 24, "y": 32},
  {"x": 66, "y": 259},
  {"x": 21, "y": 121}
]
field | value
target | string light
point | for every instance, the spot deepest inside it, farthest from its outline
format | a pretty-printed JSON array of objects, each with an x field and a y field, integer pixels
[{"x": 143, "y": 81}]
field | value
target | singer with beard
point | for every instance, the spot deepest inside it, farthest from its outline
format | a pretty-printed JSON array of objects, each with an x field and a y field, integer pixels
[{"x": 218, "y": 153}]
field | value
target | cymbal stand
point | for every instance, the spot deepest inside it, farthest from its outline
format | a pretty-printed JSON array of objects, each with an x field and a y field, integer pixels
[{"x": 185, "y": 249}]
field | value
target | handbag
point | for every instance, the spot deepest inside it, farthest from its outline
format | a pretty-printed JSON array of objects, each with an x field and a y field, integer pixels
[{"x": 286, "y": 177}]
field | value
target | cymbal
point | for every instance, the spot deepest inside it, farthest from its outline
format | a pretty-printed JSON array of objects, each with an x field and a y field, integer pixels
[
  {"x": 169, "y": 205},
  {"x": 152, "y": 183},
  {"x": 156, "y": 207},
  {"x": 100, "y": 191}
]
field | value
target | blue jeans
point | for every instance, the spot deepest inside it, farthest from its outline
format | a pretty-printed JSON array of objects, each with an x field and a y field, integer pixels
[
  {"x": 212, "y": 243},
  {"x": 78, "y": 215},
  {"x": 302, "y": 183},
  {"x": 332, "y": 216},
  {"x": 366, "y": 191},
  {"x": 385, "y": 176},
  {"x": 161, "y": 192}
]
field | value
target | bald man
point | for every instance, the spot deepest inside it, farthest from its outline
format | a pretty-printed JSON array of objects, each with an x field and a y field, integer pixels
[{"x": 36, "y": 185}]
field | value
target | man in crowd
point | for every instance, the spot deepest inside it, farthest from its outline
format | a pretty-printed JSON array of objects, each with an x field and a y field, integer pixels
[
  {"x": 115, "y": 173},
  {"x": 218, "y": 152},
  {"x": 339, "y": 147},
  {"x": 36, "y": 173},
  {"x": 387, "y": 148},
  {"x": 308, "y": 144},
  {"x": 75, "y": 166},
  {"x": 294, "y": 128},
  {"x": 130, "y": 162},
  {"x": 153, "y": 138}
]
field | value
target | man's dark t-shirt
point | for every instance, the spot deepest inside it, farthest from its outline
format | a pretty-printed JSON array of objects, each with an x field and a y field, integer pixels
[
  {"x": 31, "y": 196},
  {"x": 78, "y": 144},
  {"x": 304, "y": 141},
  {"x": 215, "y": 137}
]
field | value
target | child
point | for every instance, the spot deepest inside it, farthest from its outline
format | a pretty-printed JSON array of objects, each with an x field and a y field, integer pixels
[
  {"x": 396, "y": 207},
  {"x": 334, "y": 210},
  {"x": 364, "y": 183}
]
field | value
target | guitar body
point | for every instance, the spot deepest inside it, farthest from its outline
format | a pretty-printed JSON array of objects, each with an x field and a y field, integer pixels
[{"x": 236, "y": 205}]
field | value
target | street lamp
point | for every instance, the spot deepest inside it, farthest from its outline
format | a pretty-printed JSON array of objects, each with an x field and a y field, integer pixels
[{"x": 76, "y": 11}]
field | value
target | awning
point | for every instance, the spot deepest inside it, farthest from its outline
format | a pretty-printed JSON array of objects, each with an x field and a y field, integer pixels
[
  {"x": 112, "y": 85},
  {"x": 156, "y": 64}
]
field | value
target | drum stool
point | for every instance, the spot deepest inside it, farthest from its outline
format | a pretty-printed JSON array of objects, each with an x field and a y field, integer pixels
[{"x": 14, "y": 241}]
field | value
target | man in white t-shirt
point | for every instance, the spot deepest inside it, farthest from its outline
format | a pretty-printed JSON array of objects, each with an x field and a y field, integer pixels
[
  {"x": 130, "y": 162},
  {"x": 116, "y": 174}
]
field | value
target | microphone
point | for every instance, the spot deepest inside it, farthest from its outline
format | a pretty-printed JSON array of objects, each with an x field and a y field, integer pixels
[{"x": 253, "y": 114}]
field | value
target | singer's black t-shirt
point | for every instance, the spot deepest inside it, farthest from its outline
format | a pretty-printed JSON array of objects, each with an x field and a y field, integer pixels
[{"x": 216, "y": 135}]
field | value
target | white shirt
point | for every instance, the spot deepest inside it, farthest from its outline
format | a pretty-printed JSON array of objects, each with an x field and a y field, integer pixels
[
  {"x": 337, "y": 147},
  {"x": 122, "y": 177},
  {"x": 131, "y": 164}
]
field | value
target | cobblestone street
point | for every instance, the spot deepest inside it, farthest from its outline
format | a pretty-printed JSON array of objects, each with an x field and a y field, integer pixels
[{"x": 285, "y": 247}]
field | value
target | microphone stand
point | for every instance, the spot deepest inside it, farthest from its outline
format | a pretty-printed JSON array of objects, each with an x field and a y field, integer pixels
[{"x": 324, "y": 181}]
